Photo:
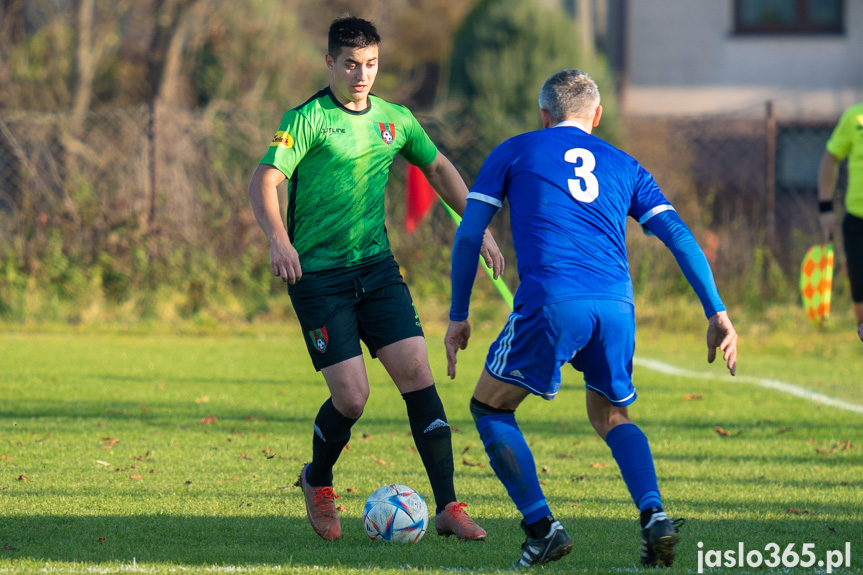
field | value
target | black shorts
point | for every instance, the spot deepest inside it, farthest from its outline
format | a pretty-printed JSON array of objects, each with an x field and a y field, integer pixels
[
  {"x": 852, "y": 236},
  {"x": 339, "y": 308}
]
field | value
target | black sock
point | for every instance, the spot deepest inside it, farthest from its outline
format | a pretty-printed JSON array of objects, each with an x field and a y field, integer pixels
[
  {"x": 648, "y": 513},
  {"x": 332, "y": 433},
  {"x": 433, "y": 439},
  {"x": 539, "y": 529}
]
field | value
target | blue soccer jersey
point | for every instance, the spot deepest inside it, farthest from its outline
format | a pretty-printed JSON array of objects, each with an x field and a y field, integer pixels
[{"x": 570, "y": 194}]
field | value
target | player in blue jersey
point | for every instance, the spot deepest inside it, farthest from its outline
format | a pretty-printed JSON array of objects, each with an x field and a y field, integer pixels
[{"x": 570, "y": 194}]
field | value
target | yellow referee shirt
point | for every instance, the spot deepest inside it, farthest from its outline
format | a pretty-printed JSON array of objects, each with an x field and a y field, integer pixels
[{"x": 847, "y": 142}]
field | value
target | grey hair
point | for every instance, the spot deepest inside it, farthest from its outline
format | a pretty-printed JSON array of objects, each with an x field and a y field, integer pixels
[{"x": 569, "y": 94}]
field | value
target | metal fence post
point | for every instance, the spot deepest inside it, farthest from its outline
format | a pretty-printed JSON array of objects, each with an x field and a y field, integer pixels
[
  {"x": 154, "y": 178},
  {"x": 771, "y": 177}
]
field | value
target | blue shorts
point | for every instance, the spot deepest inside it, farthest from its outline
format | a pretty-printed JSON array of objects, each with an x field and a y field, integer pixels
[{"x": 596, "y": 336}]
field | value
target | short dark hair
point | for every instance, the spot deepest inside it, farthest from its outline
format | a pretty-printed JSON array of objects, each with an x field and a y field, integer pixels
[{"x": 351, "y": 32}]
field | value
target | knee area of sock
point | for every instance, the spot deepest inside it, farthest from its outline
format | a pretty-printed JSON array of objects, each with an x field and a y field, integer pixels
[
  {"x": 479, "y": 410},
  {"x": 619, "y": 433},
  {"x": 352, "y": 409}
]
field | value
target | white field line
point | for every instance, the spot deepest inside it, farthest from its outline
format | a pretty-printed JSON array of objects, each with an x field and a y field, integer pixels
[{"x": 774, "y": 384}]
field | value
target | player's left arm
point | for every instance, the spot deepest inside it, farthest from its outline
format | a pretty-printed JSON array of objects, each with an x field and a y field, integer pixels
[
  {"x": 449, "y": 185},
  {"x": 669, "y": 228}
]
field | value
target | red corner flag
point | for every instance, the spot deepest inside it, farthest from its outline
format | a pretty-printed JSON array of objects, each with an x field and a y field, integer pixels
[{"x": 419, "y": 195}]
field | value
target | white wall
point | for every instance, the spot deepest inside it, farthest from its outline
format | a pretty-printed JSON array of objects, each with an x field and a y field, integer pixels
[{"x": 683, "y": 57}]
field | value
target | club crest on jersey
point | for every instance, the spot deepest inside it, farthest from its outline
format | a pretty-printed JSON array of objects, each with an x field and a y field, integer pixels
[
  {"x": 388, "y": 132},
  {"x": 320, "y": 339}
]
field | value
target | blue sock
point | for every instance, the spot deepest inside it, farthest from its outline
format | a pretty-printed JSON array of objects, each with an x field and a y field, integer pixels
[
  {"x": 512, "y": 461},
  {"x": 631, "y": 451}
]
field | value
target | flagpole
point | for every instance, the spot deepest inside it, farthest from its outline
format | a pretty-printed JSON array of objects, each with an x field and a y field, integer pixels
[{"x": 498, "y": 282}]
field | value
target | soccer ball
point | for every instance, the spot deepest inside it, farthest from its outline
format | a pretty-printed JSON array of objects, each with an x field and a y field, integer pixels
[{"x": 395, "y": 514}]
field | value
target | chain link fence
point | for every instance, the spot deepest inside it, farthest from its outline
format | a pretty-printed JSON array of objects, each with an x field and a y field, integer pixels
[{"x": 140, "y": 197}]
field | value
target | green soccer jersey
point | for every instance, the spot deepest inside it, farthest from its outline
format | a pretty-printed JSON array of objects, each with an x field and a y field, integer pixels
[
  {"x": 847, "y": 142},
  {"x": 337, "y": 162}
]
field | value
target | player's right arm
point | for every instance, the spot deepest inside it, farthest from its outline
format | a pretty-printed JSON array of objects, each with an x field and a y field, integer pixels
[
  {"x": 294, "y": 138},
  {"x": 828, "y": 173},
  {"x": 264, "y": 196},
  {"x": 838, "y": 147}
]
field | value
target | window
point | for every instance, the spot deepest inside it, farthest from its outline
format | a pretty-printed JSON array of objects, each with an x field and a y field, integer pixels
[{"x": 788, "y": 16}]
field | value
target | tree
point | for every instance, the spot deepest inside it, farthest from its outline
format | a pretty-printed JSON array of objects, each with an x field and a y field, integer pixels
[{"x": 502, "y": 55}]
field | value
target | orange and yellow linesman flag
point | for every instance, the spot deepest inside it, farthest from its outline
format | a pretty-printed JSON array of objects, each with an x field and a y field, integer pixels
[{"x": 816, "y": 282}]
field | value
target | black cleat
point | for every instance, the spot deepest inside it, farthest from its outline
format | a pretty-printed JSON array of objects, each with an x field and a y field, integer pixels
[
  {"x": 552, "y": 547},
  {"x": 658, "y": 538}
]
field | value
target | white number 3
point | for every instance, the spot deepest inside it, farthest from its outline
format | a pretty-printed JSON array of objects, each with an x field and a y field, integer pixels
[{"x": 589, "y": 191}]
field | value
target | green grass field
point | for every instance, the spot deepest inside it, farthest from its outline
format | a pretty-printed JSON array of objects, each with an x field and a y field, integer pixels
[{"x": 165, "y": 453}]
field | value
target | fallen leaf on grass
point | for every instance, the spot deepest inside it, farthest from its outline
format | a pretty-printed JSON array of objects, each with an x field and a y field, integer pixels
[
  {"x": 205, "y": 399},
  {"x": 795, "y": 511},
  {"x": 564, "y": 456},
  {"x": 725, "y": 433},
  {"x": 380, "y": 461},
  {"x": 693, "y": 397},
  {"x": 832, "y": 529},
  {"x": 465, "y": 450},
  {"x": 846, "y": 445},
  {"x": 6, "y": 458},
  {"x": 136, "y": 477},
  {"x": 464, "y": 461},
  {"x": 411, "y": 448},
  {"x": 341, "y": 508},
  {"x": 599, "y": 465},
  {"x": 351, "y": 490},
  {"x": 824, "y": 451},
  {"x": 233, "y": 478},
  {"x": 546, "y": 469},
  {"x": 253, "y": 418},
  {"x": 242, "y": 456},
  {"x": 102, "y": 539},
  {"x": 8, "y": 547},
  {"x": 141, "y": 457},
  {"x": 455, "y": 429},
  {"x": 581, "y": 478},
  {"x": 268, "y": 452},
  {"x": 208, "y": 420},
  {"x": 23, "y": 478},
  {"x": 110, "y": 442},
  {"x": 347, "y": 447},
  {"x": 143, "y": 408},
  {"x": 368, "y": 436},
  {"x": 784, "y": 430}
]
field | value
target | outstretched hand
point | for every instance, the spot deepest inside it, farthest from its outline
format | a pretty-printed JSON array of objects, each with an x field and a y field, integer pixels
[
  {"x": 491, "y": 255},
  {"x": 456, "y": 338},
  {"x": 721, "y": 334}
]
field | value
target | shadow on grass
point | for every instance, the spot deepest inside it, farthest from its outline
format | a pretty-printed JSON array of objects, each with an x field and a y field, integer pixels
[{"x": 601, "y": 544}]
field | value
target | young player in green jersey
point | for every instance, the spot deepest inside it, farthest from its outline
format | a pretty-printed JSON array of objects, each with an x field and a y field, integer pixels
[
  {"x": 345, "y": 286},
  {"x": 846, "y": 142}
]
